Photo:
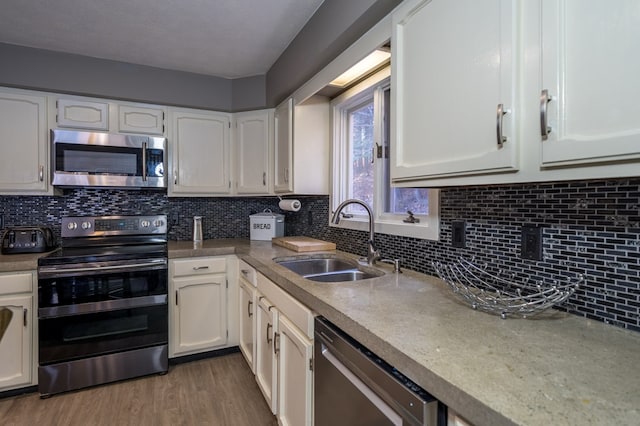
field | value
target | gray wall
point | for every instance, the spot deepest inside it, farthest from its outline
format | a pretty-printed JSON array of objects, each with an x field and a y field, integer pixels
[
  {"x": 333, "y": 28},
  {"x": 68, "y": 73}
]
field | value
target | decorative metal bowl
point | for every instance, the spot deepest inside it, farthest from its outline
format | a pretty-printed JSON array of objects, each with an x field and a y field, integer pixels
[{"x": 501, "y": 295}]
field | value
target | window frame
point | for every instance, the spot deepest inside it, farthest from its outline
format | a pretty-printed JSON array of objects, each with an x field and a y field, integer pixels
[{"x": 385, "y": 223}]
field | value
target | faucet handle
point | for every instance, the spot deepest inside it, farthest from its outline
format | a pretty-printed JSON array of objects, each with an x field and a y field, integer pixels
[{"x": 395, "y": 263}]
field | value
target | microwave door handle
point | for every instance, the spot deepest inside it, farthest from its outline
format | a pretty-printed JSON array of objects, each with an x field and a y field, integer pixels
[{"x": 144, "y": 161}]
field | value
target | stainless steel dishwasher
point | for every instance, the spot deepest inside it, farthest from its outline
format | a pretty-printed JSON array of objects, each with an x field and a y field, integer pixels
[{"x": 354, "y": 387}]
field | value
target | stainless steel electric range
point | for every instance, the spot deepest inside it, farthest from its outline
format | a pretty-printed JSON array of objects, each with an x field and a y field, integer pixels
[{"x": 102, "y": 303}]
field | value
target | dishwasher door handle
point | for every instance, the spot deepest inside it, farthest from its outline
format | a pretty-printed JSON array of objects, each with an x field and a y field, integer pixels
[{"x": 389, "y": 412}]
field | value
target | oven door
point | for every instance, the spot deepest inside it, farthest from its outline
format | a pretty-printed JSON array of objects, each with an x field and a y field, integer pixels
[{"x": 98, "y": 309}]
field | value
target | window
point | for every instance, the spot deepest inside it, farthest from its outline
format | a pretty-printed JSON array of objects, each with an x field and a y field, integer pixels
[{"x": 361, "y": 165}]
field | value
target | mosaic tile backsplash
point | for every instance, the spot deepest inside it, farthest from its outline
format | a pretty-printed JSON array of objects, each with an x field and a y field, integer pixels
[{"x": 589, "y": 227}]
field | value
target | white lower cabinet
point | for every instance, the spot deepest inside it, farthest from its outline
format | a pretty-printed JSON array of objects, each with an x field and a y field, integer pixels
[
  {"x": 17, "y": 355},
  {"x": 284, "y": 354},
  {"x": 198, "y": 293},
  {"x": 295, "y": 374},
  {"x": 247, "y": 308},
  {"x": 266, "y": 362}
]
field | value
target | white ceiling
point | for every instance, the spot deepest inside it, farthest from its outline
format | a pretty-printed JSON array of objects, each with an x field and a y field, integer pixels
[{"x": 225, "y": 38}]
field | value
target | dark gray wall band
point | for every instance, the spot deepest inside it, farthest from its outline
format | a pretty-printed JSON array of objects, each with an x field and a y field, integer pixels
[
  {"x": 47, "y": 70},
  {"x": 335, "y": 26}
]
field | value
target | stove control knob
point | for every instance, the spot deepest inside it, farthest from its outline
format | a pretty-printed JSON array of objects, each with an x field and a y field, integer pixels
[
  {"x": 72, "y": 225},
  {"x": 158, "y": 223},
  {"x": 86, "y": 225},
  {"x": 145, "y": 223}
]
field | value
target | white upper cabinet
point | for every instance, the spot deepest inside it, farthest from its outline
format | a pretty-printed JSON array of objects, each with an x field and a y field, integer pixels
[
  {"x": 590, "y": 87},
  {"x": 199, "y": 152},
  {"x": 252, "y": 144},
  {"x": 283, "y": 152},
  {"x": 138, "y": 119},
  {"x": 302, "y": 138},
  {"x": 23, "y": 142},
  {"x": 81, "y": 114},
  {"x": 453, "y": 88},
  {"x": 106, "y": 115}
]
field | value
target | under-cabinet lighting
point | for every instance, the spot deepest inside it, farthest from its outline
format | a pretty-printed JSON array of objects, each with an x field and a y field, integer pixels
[{"x": 366, "y": 65}]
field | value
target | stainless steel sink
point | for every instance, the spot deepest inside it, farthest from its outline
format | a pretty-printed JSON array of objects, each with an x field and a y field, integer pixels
[{"x": 327, "y": 269}]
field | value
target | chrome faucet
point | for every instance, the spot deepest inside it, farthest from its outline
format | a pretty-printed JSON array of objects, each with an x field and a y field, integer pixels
[{"x": 373, "y": 253}]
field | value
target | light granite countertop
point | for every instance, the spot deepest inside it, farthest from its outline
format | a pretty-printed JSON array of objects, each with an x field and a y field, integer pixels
[
  {"x": 20, "y": 262},
  {"x": 555, "y": 368}
]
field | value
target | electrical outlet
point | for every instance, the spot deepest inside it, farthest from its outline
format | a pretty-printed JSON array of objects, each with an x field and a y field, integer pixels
[
  {"x": 531, "y": 242},
  {"x": 458, "y": 234},
  {"x": 174, "y": 219}
]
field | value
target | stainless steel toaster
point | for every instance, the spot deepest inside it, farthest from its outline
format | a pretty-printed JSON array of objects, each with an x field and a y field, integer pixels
[{"x": 27, "y": 239}]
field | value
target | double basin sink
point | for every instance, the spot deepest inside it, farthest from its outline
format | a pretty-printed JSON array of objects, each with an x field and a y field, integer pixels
[{"x": 328, "y": 269}]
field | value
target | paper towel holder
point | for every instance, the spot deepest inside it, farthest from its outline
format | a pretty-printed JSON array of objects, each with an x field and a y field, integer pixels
[{"x": 289, "y": 205}]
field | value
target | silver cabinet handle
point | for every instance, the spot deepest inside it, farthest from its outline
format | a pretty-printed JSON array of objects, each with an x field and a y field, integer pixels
[
  {"x": 249, "y": 313},
  {"x": 199, "y": 268},
  {"x": 25, "y": 316},
  {"x": 268, "y": 338},
  {"x": 264, "y": 178},
  {"x": 41, "y": 173},
  {"x": 545, "y": 129},
  {"x": 175, "y": 177},
  {"x": 276, "y": 338},
  {"x": 245, "y": 272},
  {"x": 501, "y": 139},
  {"x": 176, "y": 297},
  {"x": 144, "y": 161}
]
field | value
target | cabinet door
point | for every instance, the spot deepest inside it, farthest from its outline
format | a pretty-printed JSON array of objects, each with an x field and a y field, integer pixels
[
  {"x": 453, "y": 88},
  {"x": 283, "y": 152},
  {"x": 200, "y": 153},
  {"x": 134, "y": 119},
  {"x": 295, "y": 383},
  {"x": 253, "y": 138},
  {"x": 247, "y": 322},
  {"x": 82, "y": 114},
  {"x": 590, "y": 69},
  {"x": 199, "y": 322},
  {"x": 23, "y": 142},
  {"x": 266, "y": 365},
  {"x": 16, "y": 343}
]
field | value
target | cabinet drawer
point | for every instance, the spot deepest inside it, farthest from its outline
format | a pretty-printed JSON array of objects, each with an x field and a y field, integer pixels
[
  {"x": 298, "y": 314},
  {"x": 16, "y": 283},
  {"x": 198, "y": 266},
  {"x": 247, "y": 272}
]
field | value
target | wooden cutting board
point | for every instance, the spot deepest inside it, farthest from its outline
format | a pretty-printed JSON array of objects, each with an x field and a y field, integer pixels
[{"x": 302, "y": 244}]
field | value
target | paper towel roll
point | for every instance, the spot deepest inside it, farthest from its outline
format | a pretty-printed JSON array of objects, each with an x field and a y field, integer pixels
[{"x": 290, "y": 205}]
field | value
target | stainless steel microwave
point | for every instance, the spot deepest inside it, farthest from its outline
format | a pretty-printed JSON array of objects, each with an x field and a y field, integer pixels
[{"x": 86, "y": 159}]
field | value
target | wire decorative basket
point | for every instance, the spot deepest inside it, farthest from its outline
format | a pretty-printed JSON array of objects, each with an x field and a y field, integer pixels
[{"x": 501, "y": 295}]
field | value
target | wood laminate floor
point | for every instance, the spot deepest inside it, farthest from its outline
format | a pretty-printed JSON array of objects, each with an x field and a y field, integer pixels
[{"x": 214, "y": 391}]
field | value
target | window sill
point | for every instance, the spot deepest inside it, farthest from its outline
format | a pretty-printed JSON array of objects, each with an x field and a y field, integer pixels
[{"x": 425, "y": 230}]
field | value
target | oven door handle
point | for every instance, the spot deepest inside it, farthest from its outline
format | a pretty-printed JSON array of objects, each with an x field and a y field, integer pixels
[
  {"x": 58, "y": 271},
  {"x": 104, "y": 306}
]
